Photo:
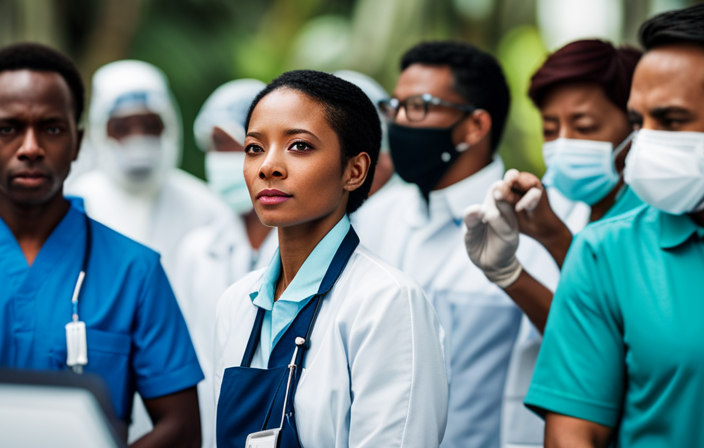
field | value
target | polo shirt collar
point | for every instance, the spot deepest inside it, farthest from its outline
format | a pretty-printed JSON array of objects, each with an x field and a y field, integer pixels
[
  {"x": 308, "y": 279},
  {"x": 676, "y": 229}
]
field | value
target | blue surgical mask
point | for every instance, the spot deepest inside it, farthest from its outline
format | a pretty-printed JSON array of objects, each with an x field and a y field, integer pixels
[
  {"x": 225, "y": 174},
  {"x": 582, "y": 170}
]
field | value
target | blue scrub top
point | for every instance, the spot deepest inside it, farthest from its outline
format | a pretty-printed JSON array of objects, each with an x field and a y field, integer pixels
[{"x": 137, "y": 338}]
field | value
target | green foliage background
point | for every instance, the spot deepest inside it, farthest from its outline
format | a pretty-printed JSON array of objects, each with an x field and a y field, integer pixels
[{"x": 201, "y": 44}]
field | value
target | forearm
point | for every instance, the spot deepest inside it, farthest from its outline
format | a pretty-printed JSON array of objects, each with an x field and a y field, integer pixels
[
  {"x": 557, "y": 243},
  {"x": 532, "y": 297},
  {"x": 176, "y": 419},
  {"x": 168, "y": 434}
]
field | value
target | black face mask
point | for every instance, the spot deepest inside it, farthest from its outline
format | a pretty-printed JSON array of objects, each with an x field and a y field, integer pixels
[{"x": 422, "y": 155}]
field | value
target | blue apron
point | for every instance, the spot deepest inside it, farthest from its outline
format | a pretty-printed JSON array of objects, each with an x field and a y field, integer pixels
[{"x": 252, "y": 400}]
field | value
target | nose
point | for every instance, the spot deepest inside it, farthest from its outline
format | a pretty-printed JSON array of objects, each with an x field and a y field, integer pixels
[
  {"x": 273, "y": 166},
  {"x": 30, "y": 149}
]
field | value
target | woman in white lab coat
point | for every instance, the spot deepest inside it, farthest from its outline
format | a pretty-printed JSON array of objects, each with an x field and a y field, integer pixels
[{"x": 327, "y": 346}]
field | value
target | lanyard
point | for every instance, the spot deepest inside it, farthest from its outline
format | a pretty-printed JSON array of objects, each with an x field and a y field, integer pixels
[{"x": 76, "y": 343}]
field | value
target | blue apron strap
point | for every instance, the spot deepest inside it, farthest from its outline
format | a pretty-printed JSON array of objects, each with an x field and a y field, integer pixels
[
  {"x": 339, "y": 261},
  {"x": 337, "y": 265},
  {"x": 253, "y": 339}
]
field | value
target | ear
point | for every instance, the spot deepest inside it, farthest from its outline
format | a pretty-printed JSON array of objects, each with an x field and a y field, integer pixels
[
  {"x": 356, "y": 171},
  {"x": 79, "y": 139},
  {"x": 478, "y": 127}
]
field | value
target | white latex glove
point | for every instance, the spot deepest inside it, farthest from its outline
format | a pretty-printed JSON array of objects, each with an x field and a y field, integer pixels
[{"x": 491, "y": 238}]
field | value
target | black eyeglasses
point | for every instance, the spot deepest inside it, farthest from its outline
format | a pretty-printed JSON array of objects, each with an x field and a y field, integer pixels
[{"x": 416, "y": 107}]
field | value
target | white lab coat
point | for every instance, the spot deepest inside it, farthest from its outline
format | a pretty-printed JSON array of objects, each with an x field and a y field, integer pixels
[
  {"x": 374, "y": 375},
  {"x": 426, "y": 241},
  {"x": 211, "y": 259},
  {"x": 520, "y": 427}
]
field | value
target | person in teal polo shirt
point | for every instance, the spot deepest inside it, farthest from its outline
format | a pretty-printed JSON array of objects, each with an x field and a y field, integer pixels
[{"x": 622, "y": 361}]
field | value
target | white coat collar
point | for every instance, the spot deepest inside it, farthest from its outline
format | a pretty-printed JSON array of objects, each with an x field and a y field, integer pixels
[{"x": 451, "y": 202}]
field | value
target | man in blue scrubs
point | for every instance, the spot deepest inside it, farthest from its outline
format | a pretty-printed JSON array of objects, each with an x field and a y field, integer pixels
[
  {"x": 622, "y": 361},
  {"x": 136, "y": 337}
]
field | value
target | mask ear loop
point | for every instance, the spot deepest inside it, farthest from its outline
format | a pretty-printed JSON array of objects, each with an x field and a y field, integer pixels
[{"x": 619, "y": 149}]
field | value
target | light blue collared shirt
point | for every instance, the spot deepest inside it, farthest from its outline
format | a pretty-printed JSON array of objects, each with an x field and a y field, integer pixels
[{"x": 280, "y": 314}]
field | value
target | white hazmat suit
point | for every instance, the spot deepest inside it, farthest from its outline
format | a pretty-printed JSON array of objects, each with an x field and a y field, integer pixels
[{"x": 137, "y": 188}]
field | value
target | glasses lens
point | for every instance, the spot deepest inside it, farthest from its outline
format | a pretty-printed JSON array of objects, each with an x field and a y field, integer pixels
[
  {"x": 416, "y": 108},
  {"x": 389, "y": 108}
]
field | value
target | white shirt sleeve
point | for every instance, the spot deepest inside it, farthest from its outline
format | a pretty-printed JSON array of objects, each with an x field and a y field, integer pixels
[{"x": 399, "y": 385}]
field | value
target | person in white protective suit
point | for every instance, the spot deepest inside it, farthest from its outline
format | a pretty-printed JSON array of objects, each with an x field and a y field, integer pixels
[
  {"x": 137, "y": 189},
  {"x": 581, "y": 91},
  {"x": 213, "y": 257}
]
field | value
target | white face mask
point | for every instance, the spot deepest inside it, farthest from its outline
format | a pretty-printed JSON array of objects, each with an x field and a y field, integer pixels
[
  {"x": 666, "y": 170},
  {"x": 137, "y": 156},
  {"x": 225, "y": 174}
]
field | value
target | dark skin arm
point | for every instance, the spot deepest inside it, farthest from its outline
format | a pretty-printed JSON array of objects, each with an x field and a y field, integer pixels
[
  {"x": 176, "y": 419},
  {"x": 562, "y": 431},
  {"x": 532, "y": 297}
]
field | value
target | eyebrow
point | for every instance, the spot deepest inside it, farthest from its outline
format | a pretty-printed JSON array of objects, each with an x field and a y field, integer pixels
[
  {"x": 662, "y": 112},
  {"x": 300, "y": 131},
  {"x": 256, "y": 134}
]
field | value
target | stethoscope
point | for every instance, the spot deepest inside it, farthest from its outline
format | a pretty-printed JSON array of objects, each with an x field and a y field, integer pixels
[{"x": 76, "y": 343}]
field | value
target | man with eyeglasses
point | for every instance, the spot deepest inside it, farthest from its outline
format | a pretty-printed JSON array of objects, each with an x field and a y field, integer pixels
[{"x": 446, "y": 118}]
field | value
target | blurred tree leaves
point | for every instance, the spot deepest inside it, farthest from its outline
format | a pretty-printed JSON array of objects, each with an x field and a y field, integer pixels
[{"x": 201, "y": 44}]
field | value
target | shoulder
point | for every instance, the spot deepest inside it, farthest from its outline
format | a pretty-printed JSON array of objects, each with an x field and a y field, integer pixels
[
  {"x": 198, "y": 240},
  {"x": 238, "y": 293},
  {"x": 371, "y": 274},
  {"x": 616, "y": 231},
  {"x": 189, "y": 188},
  {"x": 117, "y": 250}
]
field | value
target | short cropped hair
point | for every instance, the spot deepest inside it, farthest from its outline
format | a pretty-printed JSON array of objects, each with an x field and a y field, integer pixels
[
  {"x": 679, "y": 26},
  {"x": 478, "y": 77},
  {"x": 349, "y": 112},
  {"x": 31, "y": 56}
]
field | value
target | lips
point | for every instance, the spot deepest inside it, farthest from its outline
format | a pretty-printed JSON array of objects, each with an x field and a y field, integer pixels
[
  {"x": 271, "y": 197},
  {"x": 30, "y": 179}
]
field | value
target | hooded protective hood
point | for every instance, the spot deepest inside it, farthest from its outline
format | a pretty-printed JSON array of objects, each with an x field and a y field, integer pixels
[
  {"x": 227, "y": 109},
  {"x": 375, "y": 92},
  {"x": 129, "y": 87}
]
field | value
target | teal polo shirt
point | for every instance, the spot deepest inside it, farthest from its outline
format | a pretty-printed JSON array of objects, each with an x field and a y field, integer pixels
[
  {"x": 624, "y": 342},
  {"x": 279, "y": 314},
  {"x": 626, "y": 200}
]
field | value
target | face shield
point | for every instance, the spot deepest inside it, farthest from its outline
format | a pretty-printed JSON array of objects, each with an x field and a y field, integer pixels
[
  {"x": 134, "y": 125},
  {"x": 219, "y": 131}
]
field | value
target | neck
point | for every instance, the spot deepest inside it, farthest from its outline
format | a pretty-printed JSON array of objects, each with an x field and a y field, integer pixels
[
  {"x": 297, "y": 242},
  {"x": 32, "y": 224},
  {"x": 469, "y": 163},
  {"x": 599, "y": 209},
  {"x": 256, "y": 231}
]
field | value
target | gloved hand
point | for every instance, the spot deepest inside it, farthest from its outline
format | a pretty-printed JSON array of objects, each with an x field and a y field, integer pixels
[{"x": 491, "y": 237}]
